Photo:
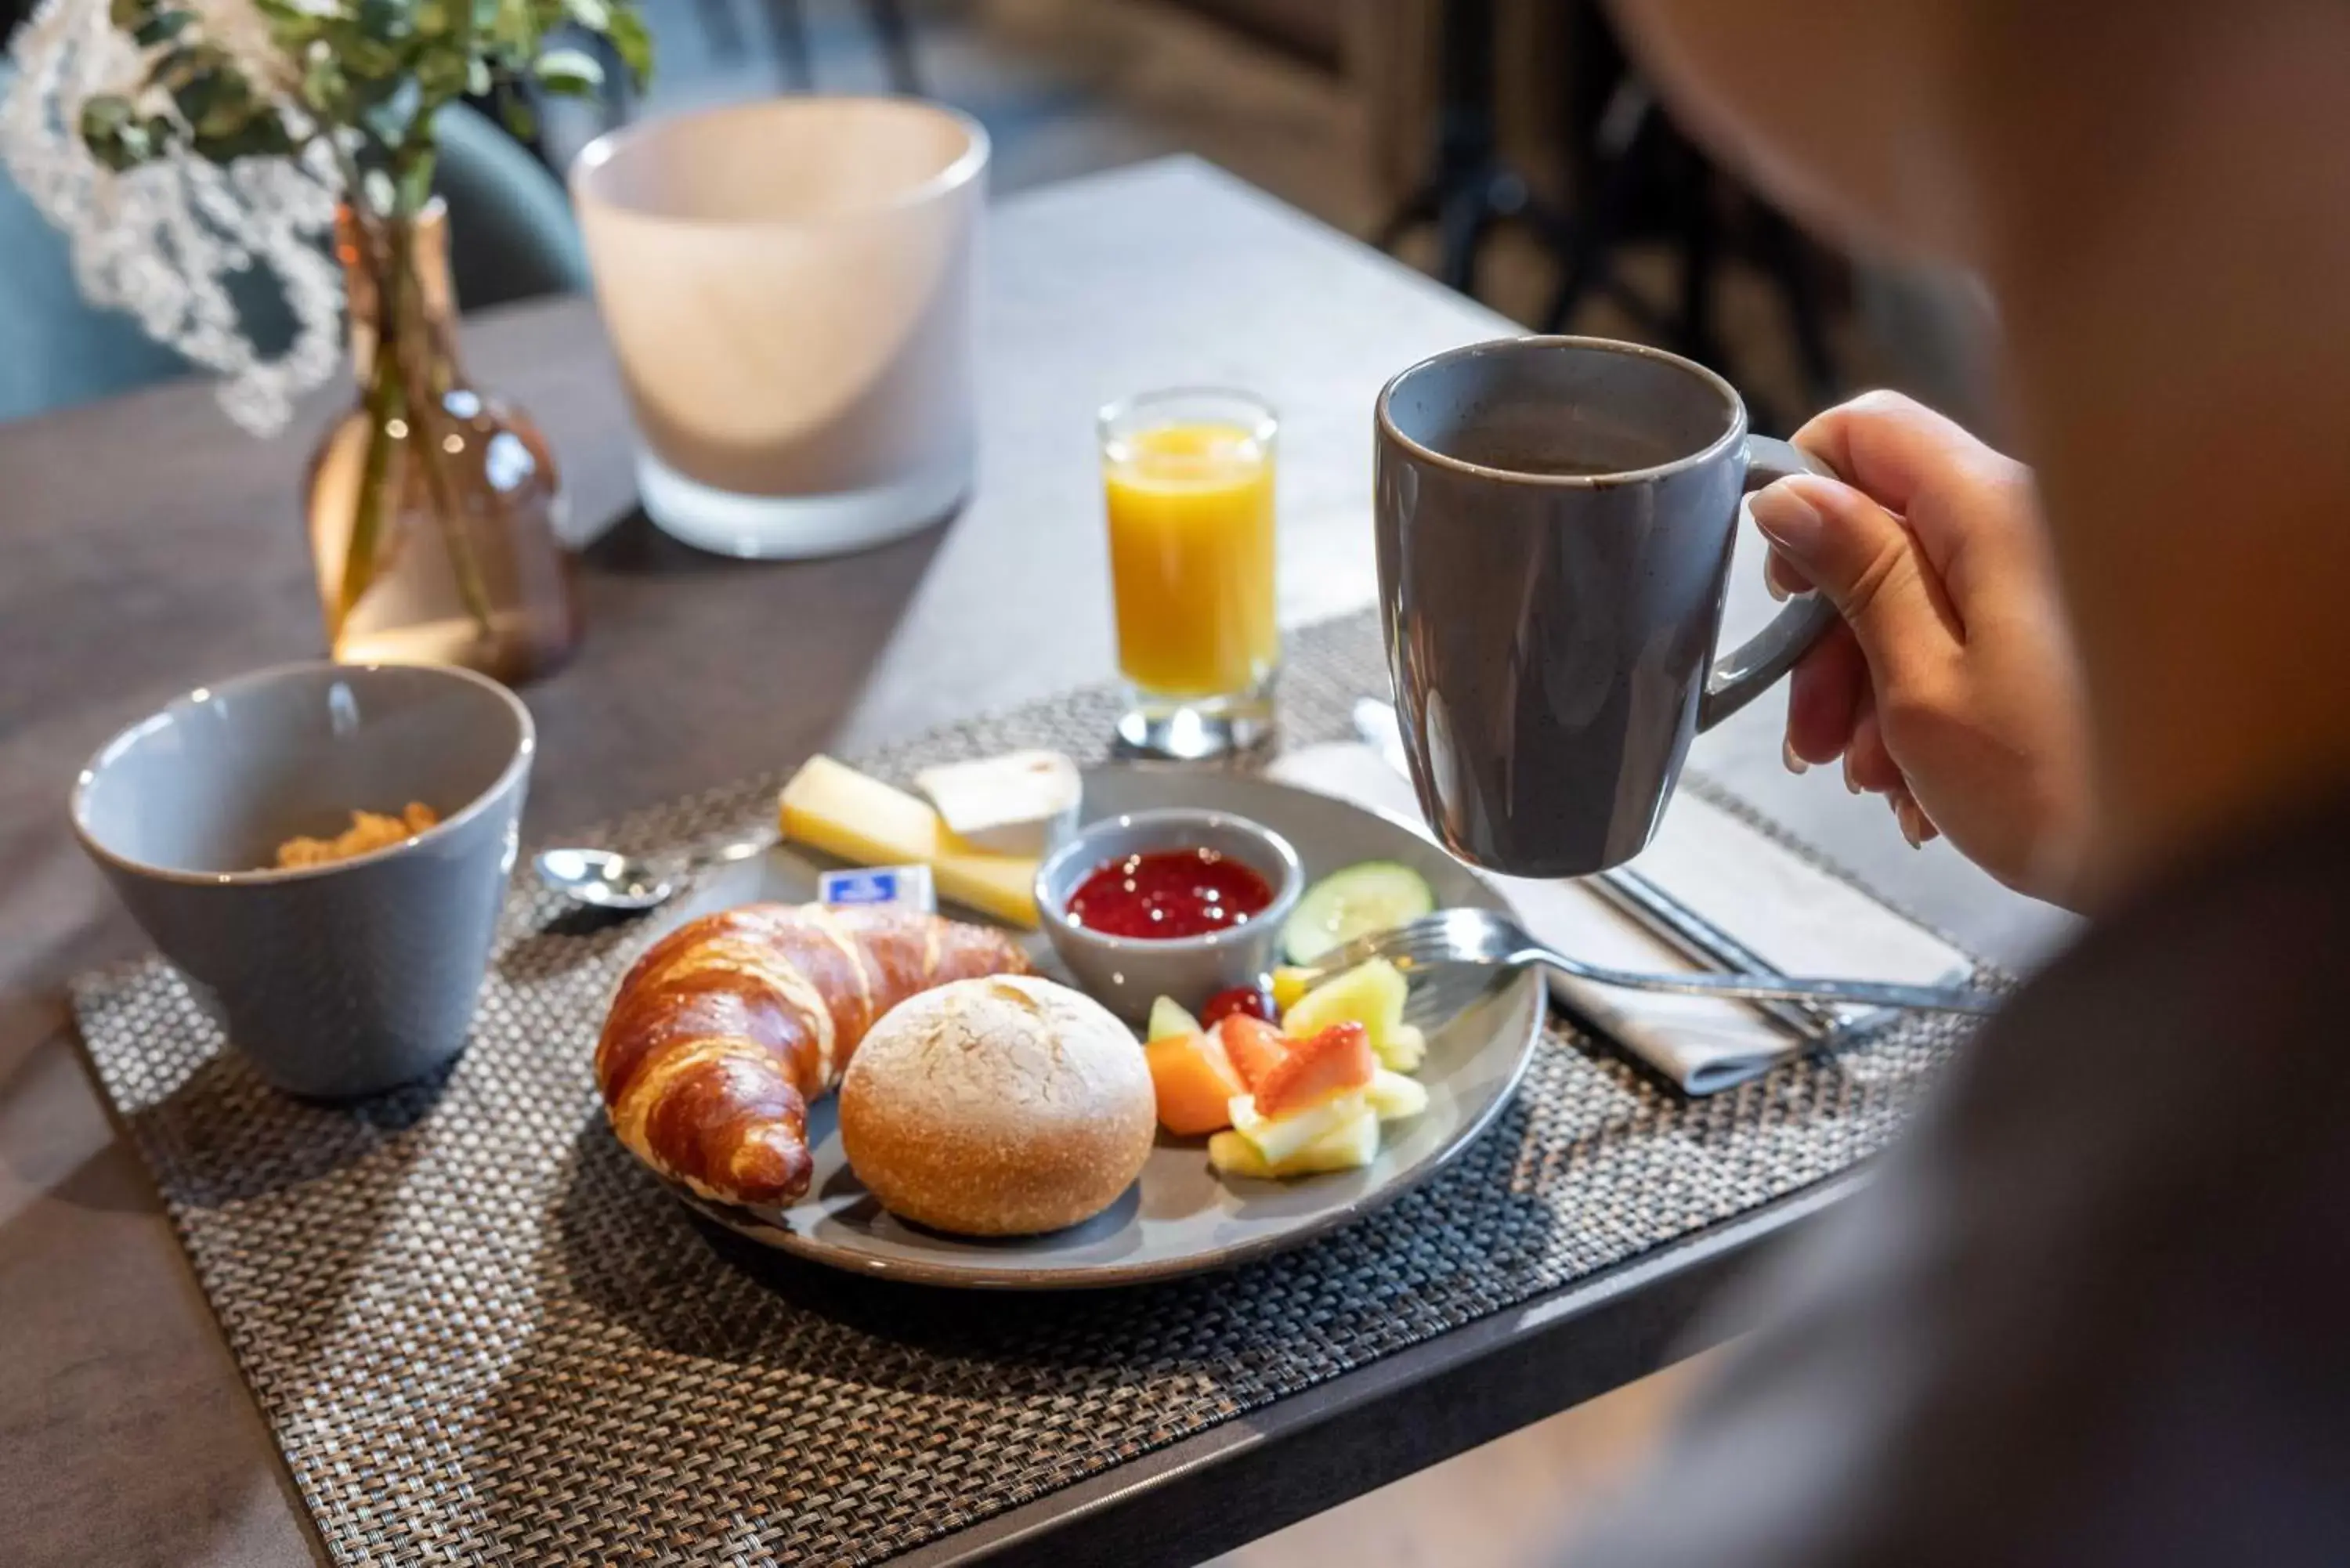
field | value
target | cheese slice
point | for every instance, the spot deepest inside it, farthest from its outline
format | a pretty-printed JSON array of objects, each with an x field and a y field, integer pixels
[
  {"x": 832, "y": 807},
  {"x": 1022, "y": 802}
]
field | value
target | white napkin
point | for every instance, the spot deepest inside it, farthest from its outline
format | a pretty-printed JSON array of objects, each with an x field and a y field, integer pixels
[{"x": 1789, "y": 911}]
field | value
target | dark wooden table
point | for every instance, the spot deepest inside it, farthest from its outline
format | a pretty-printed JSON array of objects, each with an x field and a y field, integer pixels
[{"x": 146, "y": 545}]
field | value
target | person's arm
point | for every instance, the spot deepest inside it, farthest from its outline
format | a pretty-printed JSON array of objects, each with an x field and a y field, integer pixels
[{"x": 1952, "y": 687}]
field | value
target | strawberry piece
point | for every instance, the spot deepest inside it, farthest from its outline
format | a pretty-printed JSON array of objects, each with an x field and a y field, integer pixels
[
  {"x": 1254, "y": 1046},
  {"x": 1335, "y": 1061},
  {"x": 1253, "y": 1000}
]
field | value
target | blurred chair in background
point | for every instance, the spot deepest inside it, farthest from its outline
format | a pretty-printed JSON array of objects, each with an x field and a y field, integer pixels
[
  {"x": 511, "y": 237},
  {"x": 787, "y": 27},
  {"x": 1634, "y": 180}
]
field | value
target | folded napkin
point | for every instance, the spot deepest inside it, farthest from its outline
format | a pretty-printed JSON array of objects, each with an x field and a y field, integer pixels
[{"x": 1790, "y": 912}]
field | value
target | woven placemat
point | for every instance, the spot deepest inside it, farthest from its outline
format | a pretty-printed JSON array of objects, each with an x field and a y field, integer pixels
[{"x": 481, "y": 1333}]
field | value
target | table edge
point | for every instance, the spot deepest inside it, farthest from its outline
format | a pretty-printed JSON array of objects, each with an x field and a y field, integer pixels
[{"x": 1328, "y": 1444}]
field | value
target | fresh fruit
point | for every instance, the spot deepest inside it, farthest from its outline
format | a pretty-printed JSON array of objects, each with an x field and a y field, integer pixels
[
  {"x": 1349, "y": 1146},
  {"x": 1235, "y": 1156},
  {"x": 1374, "y": 895},
  {"x": 1195, "y": 1082},
  {"x": 1254, "y": 1046},
  {"x": 1371, "y": 995},
  {"x": 1279, "y": 1137},
  {"x": 1290, "y": 985},
  {"x": 1335, "y": 1062},
  {"x": 1404, "y": 1049},
  {"x": 1248, "y": 999},
  {"x": 1393, "y": 1096},
  {"x": 1168, "y": 1018}
]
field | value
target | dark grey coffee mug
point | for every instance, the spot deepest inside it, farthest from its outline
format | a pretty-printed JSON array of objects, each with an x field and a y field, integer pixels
[{"x": 1555, "y": 520}]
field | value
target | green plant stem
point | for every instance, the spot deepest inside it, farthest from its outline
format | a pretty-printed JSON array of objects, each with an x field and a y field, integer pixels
[
  {"x": 401, "y": 382},
  {"x": 383, "y": 404},
  {"x": 427, "y": 428}
]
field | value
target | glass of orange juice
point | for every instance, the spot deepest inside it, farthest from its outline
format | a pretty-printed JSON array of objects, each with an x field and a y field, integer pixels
[{"x": 1189, "y": 481}]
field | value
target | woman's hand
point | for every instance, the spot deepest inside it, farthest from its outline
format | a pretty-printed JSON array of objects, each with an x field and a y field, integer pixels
[{"x": 1952, "y": 687}]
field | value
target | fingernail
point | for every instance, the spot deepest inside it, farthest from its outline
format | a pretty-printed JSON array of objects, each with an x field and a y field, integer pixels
[
  {"x": 1787, "y": 519},
  {"x": 1906, "y": 813},
  {"x": 1795, "y": 765},
  {"x": 1850, "y": 782},
  {"x": 1771, "y": 585}
]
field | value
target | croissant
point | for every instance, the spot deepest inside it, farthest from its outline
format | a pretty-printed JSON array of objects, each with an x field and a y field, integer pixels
[{"x": 728, "y": 1027}]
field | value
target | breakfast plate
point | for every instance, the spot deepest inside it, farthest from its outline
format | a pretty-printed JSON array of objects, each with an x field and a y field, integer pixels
[{"x": 1181, "y": 1217}]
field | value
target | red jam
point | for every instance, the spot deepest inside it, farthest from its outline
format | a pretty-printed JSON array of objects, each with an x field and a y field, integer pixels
[{"x": 1168, "y": 894}]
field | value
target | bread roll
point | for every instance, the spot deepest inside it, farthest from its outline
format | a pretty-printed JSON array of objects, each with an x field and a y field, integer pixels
[{"x": 998, "y": 1108}]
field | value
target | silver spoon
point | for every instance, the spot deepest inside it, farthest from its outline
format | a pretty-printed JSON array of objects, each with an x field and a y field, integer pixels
[
  {"x": 1484, "y": 938},
  {"x": 608, "y": 880}
]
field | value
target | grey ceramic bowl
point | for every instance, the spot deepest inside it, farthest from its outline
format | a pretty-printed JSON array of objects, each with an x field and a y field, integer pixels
[
  {"x": 339, "y": 980},
  {"x": 1126, "y": 974}
]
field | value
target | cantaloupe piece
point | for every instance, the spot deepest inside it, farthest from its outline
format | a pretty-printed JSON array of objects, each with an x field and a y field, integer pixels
[
  {"x": 1254, "y": 1046},
  {"x": 1195, "y": 1082},
  {"x": 1331, "y": 1063}
]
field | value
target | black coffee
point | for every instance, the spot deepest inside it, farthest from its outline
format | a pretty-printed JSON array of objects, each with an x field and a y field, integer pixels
[{"x": 1565, "y": 441}]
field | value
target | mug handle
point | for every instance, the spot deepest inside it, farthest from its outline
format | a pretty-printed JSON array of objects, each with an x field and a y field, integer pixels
[{"x": 1746, "y": 672}]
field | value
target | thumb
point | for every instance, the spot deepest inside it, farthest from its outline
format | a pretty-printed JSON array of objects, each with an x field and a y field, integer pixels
[{"x": 1866, "y": 561}]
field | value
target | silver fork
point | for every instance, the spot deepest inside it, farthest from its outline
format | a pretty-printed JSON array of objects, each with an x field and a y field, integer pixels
[{"x": 1485, "y": 939}]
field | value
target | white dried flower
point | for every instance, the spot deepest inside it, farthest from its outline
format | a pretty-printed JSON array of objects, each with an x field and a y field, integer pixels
[{"x": 162, "y": 239}]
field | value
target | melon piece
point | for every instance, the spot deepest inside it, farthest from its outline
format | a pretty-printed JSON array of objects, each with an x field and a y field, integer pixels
[
  {"x": 1332, "y": 1062},
  {"x": 1349, "y": 1145},
  {"x": 1195, "y": 1082},
  {"x": 1279, "y": 1137},
  {"x": 1371, "y": 995},
  {"x": 1254, "y": 1046},
  {"x": 1233, "y": 1155},
  {"x": 1394, "y": 1096},
  {"x": 1290, "y": 985},
  {"x": 1404, "y": 1049},
  {"x": 1168, "y": 1018}
]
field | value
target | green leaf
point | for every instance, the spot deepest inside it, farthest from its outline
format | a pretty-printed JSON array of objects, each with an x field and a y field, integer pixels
[
  {"x": 571, "y": 72},
  {"x": 130, "y": 15},
  {"x": 521, "y": 119},
  {"x": 262, "y": 136},
  {"x": 161, "y": 27},
  {"x": 415, "y": 182},
  {"x": 633, "y": 43}
]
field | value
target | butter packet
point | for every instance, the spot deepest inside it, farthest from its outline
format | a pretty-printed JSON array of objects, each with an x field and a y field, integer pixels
[{"x": 893, "y": 887}]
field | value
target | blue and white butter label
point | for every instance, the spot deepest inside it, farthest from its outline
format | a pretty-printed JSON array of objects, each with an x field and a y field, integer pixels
[{"x": 899, "y": 887}]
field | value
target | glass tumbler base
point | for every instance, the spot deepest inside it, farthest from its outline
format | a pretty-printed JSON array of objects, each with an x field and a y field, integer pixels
[
  {"x": 1195, "y": 728},
  {"x": 796, "y": 527}
]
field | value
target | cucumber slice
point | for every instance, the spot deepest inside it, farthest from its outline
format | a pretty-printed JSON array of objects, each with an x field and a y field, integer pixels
[{"x": 1375, "y": 895}]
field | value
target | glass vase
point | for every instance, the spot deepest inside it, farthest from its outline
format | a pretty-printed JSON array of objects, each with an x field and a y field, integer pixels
[{"x": 434, "y": 507}]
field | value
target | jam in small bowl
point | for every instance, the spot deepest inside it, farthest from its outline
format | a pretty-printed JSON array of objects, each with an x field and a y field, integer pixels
[{"x": 1175, "y": 902}]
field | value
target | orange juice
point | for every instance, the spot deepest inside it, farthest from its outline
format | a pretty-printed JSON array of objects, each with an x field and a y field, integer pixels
[{"x": 1191, "y": 552}]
